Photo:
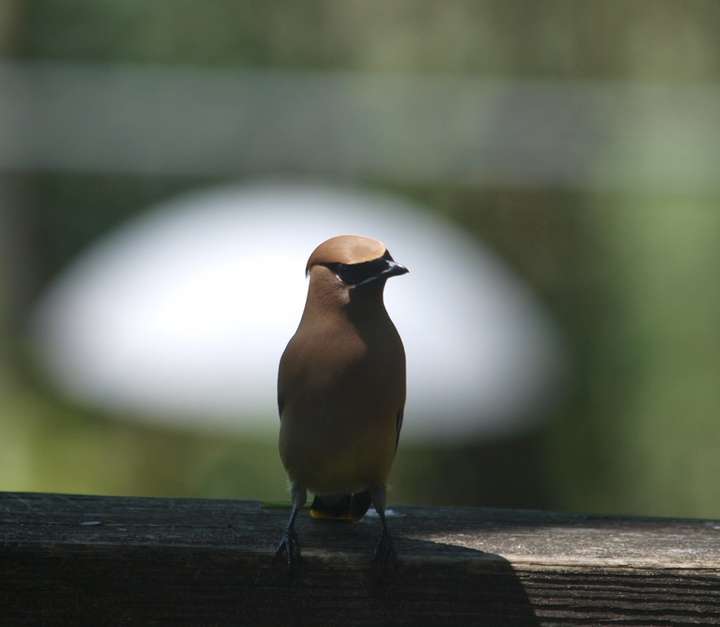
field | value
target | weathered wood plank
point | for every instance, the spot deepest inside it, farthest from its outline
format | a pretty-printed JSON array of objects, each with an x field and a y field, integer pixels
[{"x": 86, "y": 560}]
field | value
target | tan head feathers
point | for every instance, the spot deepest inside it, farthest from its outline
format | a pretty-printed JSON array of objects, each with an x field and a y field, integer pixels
[{"x": 346, "y": 249}]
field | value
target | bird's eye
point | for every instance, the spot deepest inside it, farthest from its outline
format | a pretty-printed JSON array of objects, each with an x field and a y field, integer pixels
[
  {"x": 355, "y": 273},
  {"x": 350, "y": 274}
]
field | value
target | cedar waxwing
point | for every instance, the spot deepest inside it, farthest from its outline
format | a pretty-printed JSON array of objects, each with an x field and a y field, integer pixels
[{"x": 341, "y": 389}]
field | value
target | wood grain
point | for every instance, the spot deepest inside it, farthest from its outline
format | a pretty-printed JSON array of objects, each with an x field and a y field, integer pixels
[{"x": 88, "y": 560}]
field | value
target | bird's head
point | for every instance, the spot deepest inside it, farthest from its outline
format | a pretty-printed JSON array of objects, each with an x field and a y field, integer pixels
[{"x": 347, "y": 266}]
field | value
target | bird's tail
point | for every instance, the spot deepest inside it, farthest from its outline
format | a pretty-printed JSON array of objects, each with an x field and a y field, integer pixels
[{"x": 347, "y": 507}]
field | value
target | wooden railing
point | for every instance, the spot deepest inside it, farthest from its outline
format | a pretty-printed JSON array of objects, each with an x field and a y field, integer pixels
[{"x": 91, "y": 561}]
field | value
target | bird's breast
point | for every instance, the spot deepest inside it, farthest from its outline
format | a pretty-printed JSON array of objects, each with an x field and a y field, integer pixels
[{"x": 342, "y": 391}]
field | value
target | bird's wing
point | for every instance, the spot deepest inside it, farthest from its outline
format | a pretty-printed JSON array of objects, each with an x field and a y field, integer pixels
[
  {"x": 283, "y": 377},
  {"x": 281, "y": 403},
  {"x": 280, "y": 389},
  {"x": 398, "y": 426}
]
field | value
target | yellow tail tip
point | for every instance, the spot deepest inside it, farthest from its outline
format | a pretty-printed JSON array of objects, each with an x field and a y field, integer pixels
[{"x": 320, "y": 515}]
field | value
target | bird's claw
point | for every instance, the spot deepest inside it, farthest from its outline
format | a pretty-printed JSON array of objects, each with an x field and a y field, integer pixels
[
  {"x": 289, "y": 544},
  {"x": 385, "y": 555}
]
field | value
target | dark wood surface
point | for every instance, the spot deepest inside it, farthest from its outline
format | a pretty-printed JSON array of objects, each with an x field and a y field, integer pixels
[{"x": 87, "y": 560}]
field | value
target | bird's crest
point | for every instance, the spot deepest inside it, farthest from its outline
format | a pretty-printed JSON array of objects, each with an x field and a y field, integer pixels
[{"x": 346, "y": 249}]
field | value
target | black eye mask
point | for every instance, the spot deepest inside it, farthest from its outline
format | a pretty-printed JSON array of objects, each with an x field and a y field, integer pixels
[{"x": 356, "y": 274}]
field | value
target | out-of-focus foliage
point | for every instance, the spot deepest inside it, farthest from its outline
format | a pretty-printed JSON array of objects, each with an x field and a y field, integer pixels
[{"x": 657, "y": 39}]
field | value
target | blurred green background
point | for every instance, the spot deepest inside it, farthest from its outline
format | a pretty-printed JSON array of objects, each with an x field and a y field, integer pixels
[{"x": 623, "y": 253}]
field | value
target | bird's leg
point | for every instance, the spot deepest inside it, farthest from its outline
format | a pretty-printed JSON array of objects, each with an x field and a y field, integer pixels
[
  {"x": 385, "y": 551},
  {"x": 289, "y": 542}
]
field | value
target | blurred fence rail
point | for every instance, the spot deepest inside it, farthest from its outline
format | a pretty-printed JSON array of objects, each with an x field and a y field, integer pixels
[
  {"x": 113, "y": 560},
  {"x": 413, "y": 128}
]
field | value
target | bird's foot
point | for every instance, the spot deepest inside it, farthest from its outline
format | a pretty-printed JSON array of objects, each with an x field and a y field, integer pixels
[
  {"x": 385, "y": 555},
  {"x": 291, "y": 547}
]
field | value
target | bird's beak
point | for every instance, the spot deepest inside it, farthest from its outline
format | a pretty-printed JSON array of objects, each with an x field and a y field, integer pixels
[{"x": 393, "y": 269}]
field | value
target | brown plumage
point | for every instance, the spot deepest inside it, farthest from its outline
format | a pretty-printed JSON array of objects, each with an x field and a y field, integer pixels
[{"x": 341, "y": 388}]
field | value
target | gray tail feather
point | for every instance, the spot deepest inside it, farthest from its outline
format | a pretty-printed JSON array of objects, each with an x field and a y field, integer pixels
[{"x": 341, "y": 506}]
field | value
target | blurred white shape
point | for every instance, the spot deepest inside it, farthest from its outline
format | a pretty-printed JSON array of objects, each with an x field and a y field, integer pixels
[{"x": 182, "y": 315}]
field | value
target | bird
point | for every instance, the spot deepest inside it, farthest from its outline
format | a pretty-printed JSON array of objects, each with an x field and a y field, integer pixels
[{"x": 341, "y": 391}]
